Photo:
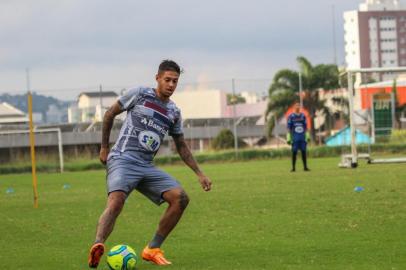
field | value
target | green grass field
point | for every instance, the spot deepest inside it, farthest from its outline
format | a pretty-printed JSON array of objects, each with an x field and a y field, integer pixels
[{"x": 258, "y": 216}]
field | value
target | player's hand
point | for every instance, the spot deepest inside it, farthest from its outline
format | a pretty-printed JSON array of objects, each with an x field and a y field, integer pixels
[
  {"x": 205, "y": 182},
  {"x": 307, "y": 137},
  {"x": 104, "y": 152},
  {"x": 289, "y": 138}
]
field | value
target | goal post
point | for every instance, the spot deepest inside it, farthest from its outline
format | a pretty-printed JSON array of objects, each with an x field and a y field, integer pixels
[
  {"x": 350, "y": 73},
  {"x": 45, "y": 130}
]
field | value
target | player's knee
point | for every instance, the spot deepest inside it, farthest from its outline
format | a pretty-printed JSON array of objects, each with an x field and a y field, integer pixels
[
  {"x": 177, "y": 198},
  {"x": 183, "y": 200},
  {"x": 115, "y": 204}
]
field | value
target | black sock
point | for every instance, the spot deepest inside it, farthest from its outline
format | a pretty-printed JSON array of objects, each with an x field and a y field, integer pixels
[
  {"x": 304, "y": 159},
  {"x": 294, "y": 160},
  {"x": 157, "y": 241}
]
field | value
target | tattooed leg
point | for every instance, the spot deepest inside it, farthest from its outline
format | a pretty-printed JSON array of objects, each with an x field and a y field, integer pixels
[{"x": 178, "y": 201}]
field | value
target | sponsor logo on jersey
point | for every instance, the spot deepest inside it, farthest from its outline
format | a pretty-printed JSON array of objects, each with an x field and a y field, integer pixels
[
  {"x": 157, "y": 127},
  {"x": 299, "y": 129},
  {"x": 149, "y": 140}
]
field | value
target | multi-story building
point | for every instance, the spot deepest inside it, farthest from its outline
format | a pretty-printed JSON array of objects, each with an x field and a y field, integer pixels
[
  {"x": 375, "y": 35},
  {"x": 91, "y": 106},
  {"x": 212, "y": 103},
  {"x": 205, "y": 112}
]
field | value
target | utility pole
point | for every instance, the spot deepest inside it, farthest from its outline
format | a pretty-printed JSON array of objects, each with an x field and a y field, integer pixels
[
  {"x": 234, "y": 118},
  {"x": 333, "y": 8},
  {"x": 101, "y": 102},
  {"x": 300, "y": 90},
  {"x": 27, "y": 75}
]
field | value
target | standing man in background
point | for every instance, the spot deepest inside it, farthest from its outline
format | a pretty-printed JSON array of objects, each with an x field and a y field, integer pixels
[{"x": 298, "y": 136}]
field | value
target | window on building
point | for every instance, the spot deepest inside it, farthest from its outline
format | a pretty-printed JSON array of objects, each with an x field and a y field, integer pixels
[
  {"x": 388, "y": 51},
  {"x": 383, "y": 29}
]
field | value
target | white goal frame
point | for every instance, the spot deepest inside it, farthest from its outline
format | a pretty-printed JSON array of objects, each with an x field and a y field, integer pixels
[
  {"x": 350, "y": 73},
  {"x": 45, "y": 130}
]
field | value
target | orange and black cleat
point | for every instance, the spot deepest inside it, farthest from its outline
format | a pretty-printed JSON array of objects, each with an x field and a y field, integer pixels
[
  {"x": 95, "y": 254},
  {"x": 154, "y": 255}
]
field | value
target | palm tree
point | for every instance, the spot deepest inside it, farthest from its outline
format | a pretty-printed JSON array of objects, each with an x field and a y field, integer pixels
[{"x": 284, "y": 89}]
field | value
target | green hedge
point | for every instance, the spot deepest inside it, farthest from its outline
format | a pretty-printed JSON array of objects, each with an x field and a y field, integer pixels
[
  {"x": 398, "y": 136},
  {"x": 314, "y": 152},
  {"x": 221, "y": 156}
]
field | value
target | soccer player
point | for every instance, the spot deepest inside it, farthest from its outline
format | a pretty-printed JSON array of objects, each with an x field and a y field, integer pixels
[
  {"x": 298, "y": 136},
  {"x": 150, "y": 116}
]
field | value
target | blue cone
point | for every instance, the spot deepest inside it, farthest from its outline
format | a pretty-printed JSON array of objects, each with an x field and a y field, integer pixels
[
  {"x": 10, "y": 190},
  {"x": 66, "y": 186},
  {"x": 358, "y": 189}
]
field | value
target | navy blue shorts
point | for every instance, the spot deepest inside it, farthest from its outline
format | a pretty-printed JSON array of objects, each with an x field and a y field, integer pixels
[{"x": 299, "y": 145}]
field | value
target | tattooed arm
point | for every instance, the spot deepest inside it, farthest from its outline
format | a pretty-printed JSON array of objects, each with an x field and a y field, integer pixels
[
  {"x": 108, "y": 121},
  {"x": 189, "y": 160}
]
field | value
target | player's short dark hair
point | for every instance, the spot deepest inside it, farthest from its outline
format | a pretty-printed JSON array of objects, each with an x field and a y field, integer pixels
[{"x": 169, "y": 65}]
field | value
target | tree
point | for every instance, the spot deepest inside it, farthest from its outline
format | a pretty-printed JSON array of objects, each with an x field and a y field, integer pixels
[
  {"x": 235, "y": 99},
  {"x": 225, "y": 140},
  {"x": 284, "y": 91}
]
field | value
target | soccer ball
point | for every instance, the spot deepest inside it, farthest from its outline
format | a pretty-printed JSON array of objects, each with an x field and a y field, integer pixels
[{"x": 122, "y": 257}]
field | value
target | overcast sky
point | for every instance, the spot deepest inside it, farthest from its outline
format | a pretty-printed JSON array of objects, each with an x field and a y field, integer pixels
[{"x": 76, "y": 44}]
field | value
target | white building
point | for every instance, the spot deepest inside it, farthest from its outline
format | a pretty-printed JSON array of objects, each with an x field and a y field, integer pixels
[
  {"x": 375, "y": 35},
  {"x": 196, "y": 104},
  {"x": 11, "y": 115},
  {"x": 250, "y": 97},
  {"x": 199, "y": 104},
  {"x": 91, "y": 106}
]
